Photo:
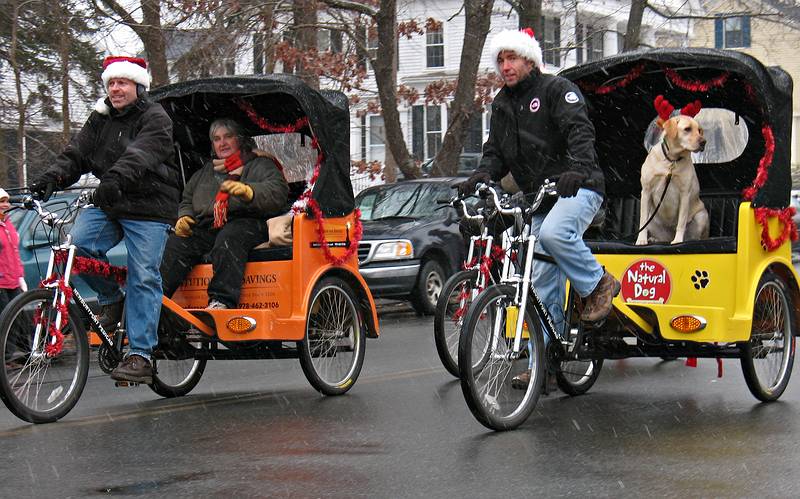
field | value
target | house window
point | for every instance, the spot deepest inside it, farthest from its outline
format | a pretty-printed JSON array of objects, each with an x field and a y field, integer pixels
[
  {"x": 230, "y": 66},
  {"x": 372, "y": 43},
  {"x": 426, "y": 131},
  {"x": 732, "y": 32},
  {"x": 329, "y": 40},
  {"x": 550, "y": 35},
  {"x": 589, "y": 40},
  {"x": 473, "y": 142},
  {"x": 434, "y": 47},
  {"x": 377, "y": 141}
]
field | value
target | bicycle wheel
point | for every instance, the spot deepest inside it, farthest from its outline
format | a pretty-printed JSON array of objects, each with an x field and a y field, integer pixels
[
  {"x": 332, "y": 352},
  {"x": 573, "y": 376},
  {"x": 488, "y": 366},
  {"x": 768, "y": 357},
  {"x": 451, "y": 310},
  {"x": 35, "y": 386},
  {"x": 176, "y": 377}
]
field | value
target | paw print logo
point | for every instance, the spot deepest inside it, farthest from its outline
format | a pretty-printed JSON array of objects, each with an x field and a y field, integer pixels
[{"x": 700, "y": 279}]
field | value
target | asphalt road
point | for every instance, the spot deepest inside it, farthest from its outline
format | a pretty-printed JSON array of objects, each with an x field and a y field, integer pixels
[{"x": 257, "y": 429}]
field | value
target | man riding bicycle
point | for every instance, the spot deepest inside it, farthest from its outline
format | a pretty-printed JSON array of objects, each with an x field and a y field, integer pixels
[
  {"x": 540, "y": 129},
  {"x": 127, "y": 144}
]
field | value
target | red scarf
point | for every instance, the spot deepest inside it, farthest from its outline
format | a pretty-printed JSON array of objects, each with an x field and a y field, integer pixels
[{"x": 232, "y": 162}]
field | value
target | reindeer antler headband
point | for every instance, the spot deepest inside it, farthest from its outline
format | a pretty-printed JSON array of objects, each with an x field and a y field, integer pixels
[{"x": 665, "y": 109}]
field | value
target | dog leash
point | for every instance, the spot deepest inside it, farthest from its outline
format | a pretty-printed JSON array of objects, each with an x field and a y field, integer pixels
[{"x": 665, "y": 150}]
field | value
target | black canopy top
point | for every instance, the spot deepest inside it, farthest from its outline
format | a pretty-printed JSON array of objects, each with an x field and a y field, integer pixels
[
  {"x": 758, "y": 95},
  {"x": 280, "y": 100}
]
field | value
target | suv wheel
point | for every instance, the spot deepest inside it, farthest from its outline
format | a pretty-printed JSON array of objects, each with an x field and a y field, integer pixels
[{"x": 429, "y": 286}]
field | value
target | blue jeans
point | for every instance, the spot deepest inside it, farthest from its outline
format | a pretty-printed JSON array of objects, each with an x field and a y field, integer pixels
[
  {"x": 560, "y": 234},
  {"x": 94, "y": 234}
]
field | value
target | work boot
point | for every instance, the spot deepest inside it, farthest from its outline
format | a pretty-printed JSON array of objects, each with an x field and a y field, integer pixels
[
  {"x": 110, "y": 315},
  {"x": 523, "y": 379},
  {"x": 598, "y": 304},
  {"x": 134, "y": 368}
]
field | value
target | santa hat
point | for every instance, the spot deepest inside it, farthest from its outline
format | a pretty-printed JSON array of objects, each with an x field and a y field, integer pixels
[
  {"x": 520, "y": 42},
  {"x": 132, "y": 68},
  {"x": 116, "y": 66}
]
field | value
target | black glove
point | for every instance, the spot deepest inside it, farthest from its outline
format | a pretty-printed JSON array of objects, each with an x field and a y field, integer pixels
[
  {"x": 569, "y": 183},
  {"x": 468, "y": 186},
  {"x": 106, "y": 194},
  {"x": 43, "y": 187}
]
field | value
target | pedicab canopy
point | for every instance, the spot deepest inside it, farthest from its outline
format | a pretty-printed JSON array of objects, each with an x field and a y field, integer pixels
[
  {"x": 620, "y": 91},
  {"x": 266, "y": 104}
]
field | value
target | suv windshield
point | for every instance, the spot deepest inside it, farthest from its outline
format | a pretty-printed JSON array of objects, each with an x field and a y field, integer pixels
[{"x": 416, "y": 201}]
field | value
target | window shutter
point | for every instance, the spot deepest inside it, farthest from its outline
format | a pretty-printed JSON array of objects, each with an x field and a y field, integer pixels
[
  {"x": 418, "y": 132},
  {"x": 718, "y": 32},
  {"x": 745, "y": 31}
]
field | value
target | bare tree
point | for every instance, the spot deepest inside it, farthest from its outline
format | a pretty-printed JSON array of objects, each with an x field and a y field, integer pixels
[{"x": 477, "y": 18}]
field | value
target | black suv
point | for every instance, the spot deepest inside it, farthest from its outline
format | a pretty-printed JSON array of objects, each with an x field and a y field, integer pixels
[{"x": 411, "y": 244}]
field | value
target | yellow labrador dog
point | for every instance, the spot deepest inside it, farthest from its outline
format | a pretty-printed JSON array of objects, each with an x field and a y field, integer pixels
[{"x": 682, "y": 215}]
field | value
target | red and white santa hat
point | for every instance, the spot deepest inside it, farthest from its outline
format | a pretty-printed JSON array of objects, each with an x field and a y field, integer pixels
[
  {"x": 521, "y": 42},
  {"x": 132, "y": 68}
]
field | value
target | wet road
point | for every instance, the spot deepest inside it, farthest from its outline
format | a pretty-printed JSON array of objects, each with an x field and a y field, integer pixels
[{"x": 257, "y": 429}]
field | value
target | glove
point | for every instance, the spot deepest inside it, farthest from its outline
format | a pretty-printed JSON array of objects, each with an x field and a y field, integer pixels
[
  {"x": 107, "y": 193},
  {"x": 569, "y": 183},
  {"x": 468, "y": 186},
  {"x": 183, "y": 227},
  {"x": 43, "y": 187},
  {"x": 238, "y": 189}
]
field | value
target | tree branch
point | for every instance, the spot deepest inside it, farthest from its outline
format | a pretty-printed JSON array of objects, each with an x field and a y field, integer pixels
[
  {"x": 671, "y": 15},
  {"x": 352, "y": 6}
]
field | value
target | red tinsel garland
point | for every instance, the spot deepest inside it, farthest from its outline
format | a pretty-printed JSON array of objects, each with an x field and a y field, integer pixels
[
  {"x": 83, "y": 265},
  {"x": 696, "y": 85},
  {"x": 789, "y": 229},
  {"x": 763, "y": 165},
  {"x": 52, "y": 349},
  {"x": 358, "y": 231},
  {"x": 633, "y": 74}
]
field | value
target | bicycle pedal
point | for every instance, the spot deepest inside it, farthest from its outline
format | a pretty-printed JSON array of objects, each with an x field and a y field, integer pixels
[{"x": 126, "y": 384}]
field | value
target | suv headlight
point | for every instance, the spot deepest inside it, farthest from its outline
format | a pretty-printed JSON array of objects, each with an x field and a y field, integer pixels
[{"x": 394, "y": 250}]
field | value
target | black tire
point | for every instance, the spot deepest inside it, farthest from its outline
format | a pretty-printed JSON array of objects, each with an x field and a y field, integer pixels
[
  {"x": 451, "y": 310},
  {"x": 176, "y": 377},
  {"x": 487, "y": 372},
  {"x": 576, "y": 377},
  {"x": 768, "y": 357},
  {"x": 430, "y": 282},
  {"x": 332, "y": 352},
  {"x": 39, "y": 388}
]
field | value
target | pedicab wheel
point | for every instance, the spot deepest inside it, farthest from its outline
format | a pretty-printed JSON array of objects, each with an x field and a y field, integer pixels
[
  {"x": 576, "y": 377},
  {"x": 488, "y": 368},
  {"x": 768, "y": 357},
  {"x": 332, "y": 352},
  {"x": 176, "y": 377},
  {"x": 425, "y": 294},
  {"x": 39, "y": 387},
  {"x": 451, "y": 310}
]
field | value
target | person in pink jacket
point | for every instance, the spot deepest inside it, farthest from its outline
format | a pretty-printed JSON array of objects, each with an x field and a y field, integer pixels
[{"x": 12, "y": 281}]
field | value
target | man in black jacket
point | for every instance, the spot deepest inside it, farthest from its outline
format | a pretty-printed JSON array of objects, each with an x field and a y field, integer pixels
[
  {"x": 127, "y": 144},
  {"x": 540, "y": 130}
]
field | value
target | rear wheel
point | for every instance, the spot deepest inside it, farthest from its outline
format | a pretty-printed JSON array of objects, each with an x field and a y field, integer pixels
[
  {"x": 332, "y": 352},
  {"x": 175, "y": 377},
  {"x": 768, "y": 357},
  {"x": 429, "y": 286},
  {"x": 489, "y": 367},
  {"x": 573, "y": 376},
  {"x": 39, "y": 387},
  {"x": 451, "y": 310}
]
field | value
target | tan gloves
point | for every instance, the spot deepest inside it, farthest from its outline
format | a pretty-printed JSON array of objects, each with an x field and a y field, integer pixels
[
  {"x": 238, "y": 189},
  {"x": 183, "y": 227}
]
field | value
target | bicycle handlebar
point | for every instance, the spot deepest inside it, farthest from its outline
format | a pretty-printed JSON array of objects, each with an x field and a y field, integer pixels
[
  {"x": 31, "y": 203},
  {"x": 548, "y": 188}
]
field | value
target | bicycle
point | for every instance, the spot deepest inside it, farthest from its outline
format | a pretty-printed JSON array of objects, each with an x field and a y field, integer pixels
[
  {"x": 462, "y": 287},
  {"x": 44, "y": 342},
  {"x": 504, "y": 334}
]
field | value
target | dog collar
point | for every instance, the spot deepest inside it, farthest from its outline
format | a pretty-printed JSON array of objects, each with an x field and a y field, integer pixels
[{"x": 665, "y": 150}]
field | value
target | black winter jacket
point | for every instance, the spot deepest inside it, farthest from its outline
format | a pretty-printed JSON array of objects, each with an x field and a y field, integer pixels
[
  {"x": 270, "y": 192},
  {"x": 540, "y": 129},
  {"x": 133, "y": 147}
]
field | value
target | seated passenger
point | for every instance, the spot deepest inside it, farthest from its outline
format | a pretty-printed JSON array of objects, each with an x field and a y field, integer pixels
[{"x": 224, "y": 210}]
